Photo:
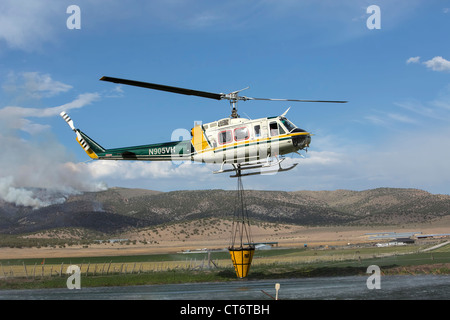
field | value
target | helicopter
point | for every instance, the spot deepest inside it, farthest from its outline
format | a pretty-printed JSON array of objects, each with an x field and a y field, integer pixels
[{"x": 245, "y": 144}]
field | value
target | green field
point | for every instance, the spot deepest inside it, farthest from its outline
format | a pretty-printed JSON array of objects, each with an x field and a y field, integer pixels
[{"x": 183, "y": 268}]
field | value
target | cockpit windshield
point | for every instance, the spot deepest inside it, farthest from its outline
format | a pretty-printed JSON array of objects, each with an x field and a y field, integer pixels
[{"x": 288, "y": 125}]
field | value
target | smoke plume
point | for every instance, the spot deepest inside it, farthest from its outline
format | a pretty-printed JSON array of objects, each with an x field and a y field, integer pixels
[{"x": 32, "y": 160}]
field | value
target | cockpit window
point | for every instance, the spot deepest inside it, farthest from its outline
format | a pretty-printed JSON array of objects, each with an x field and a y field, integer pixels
[
  {"x": 273, "y": 126},
  {"x": 288, "y": 125}
]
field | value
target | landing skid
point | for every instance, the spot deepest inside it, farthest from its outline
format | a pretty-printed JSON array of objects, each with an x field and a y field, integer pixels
[{"x": 238, "y": 168}]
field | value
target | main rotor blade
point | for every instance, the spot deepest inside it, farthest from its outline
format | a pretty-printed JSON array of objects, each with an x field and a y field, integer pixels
[
  {"x": 189, "y": 92},
  {"x": 295, "y": 100}
]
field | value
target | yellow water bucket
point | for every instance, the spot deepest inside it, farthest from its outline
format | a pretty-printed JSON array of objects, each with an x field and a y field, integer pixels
[{"x": 242, "y": 259}]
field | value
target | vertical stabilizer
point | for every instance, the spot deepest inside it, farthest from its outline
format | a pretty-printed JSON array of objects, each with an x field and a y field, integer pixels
[{"x": 89, "y": 145}]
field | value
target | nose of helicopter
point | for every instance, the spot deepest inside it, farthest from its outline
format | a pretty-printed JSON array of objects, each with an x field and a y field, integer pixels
[
  {"x": 301, "y": 141},
  {"x": 308, "y": 139}
]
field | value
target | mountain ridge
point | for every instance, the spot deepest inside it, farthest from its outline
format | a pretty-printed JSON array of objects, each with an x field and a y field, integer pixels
[{"x": 117, "y": 209}]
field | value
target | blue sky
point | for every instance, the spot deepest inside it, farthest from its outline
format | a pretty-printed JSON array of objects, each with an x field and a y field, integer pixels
[{"x": 394, "y": 132}]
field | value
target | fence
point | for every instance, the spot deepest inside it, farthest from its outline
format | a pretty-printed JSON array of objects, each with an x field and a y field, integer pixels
[
  {"x": 106, "y": 268},
  {"x": 41, "y": 270}
]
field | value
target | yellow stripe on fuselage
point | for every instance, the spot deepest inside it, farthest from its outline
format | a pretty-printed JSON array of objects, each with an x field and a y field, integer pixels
[{"x": 246, "y": 142}]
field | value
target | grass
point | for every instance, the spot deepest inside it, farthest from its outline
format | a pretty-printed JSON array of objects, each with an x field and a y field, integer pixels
[{"x": 168, "y": 268}]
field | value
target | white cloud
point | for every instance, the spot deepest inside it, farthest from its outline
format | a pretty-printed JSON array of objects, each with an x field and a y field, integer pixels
[
  {"x": 389, "y": 118},
  {"x": 443, "y": 100},
  {"x": 116, "y": 92},
  {"x": 377, "y": 120},
  {"x": 14, "y": 117},
  {"x": 434, "y": 113},
  {"x": 42, "y": 85},
  {"x": 323, "y": 158},
  {"x": 34, "y": 85},
  {"x": 204, "y": 19},
  {"x": 79, "y": 102},
  {"x": 401, "y": 118},
  {"x": 422, "y": 110},
  {"x": 413, "y": 60},
  {"x": 157, "y": 175},
  {"x": 438, "y": 64},
  {"x": 130, "y": 170},
  {"x": 26, "y": 24}
]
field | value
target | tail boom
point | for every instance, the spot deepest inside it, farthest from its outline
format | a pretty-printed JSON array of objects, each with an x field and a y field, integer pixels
[{"x": 168, "y": 151}]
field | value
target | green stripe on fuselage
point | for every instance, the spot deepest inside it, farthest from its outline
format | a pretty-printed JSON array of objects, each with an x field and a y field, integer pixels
[
  {"x": 248, "y": 144},
  {"x": 160, "y": 151}
]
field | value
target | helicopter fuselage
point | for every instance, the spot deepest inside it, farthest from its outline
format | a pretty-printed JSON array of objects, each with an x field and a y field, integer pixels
[
  {"x": 238, "y": 140},
  {"x": 229, "y": 140}
]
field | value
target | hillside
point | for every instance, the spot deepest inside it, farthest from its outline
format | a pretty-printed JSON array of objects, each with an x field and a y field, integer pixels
[{"x": 118, "y": 209}]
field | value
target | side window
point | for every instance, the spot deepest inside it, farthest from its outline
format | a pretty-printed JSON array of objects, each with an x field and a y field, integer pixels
[
  {"x": 257, "y": 131},
  {"x": 273, "y": 129},
  {"x": 225, "y": 137},
  {"x": 241, "y": 134}
]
